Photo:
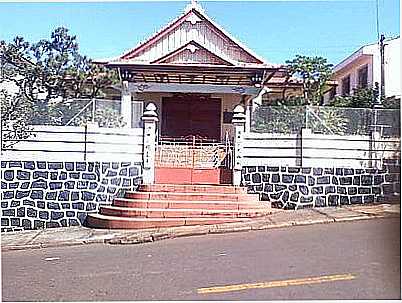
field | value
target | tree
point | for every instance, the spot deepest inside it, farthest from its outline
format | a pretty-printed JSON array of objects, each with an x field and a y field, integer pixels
[
  {"x": 15, "y": 113},
  {"x": 364, "y": 98},
  {"x": 49, "y": 72},
  {"x": 314, "y": 72}
]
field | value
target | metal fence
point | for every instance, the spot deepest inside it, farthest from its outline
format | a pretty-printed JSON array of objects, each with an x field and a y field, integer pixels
[
  {"x": 326, "y": 120},
  {"x": 75, "y": 112}
]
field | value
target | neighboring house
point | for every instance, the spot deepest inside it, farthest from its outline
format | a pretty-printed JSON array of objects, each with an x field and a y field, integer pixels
[
  {"x": 196, "y": 73},
  {"x": 363, "y": 69}
]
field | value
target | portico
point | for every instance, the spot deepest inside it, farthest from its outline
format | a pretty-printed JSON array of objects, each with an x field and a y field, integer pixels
[{"x": 195, "y": 73}]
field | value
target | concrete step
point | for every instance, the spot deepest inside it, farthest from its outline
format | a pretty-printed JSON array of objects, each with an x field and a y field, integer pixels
[
  {"x": 181, "y": 213},
  {"x": 189, "y": 204},
  {"x": 191, "y": 188},
  {"x": 114, "y": 222},
  {"x": 190, "y": 196}
]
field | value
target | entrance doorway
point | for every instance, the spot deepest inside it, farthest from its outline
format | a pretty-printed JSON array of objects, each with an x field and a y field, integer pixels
[
  {"x": 189, "y": 150},
  {"x": 191, "y": 115}
]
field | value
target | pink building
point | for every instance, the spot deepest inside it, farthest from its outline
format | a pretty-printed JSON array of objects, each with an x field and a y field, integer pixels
[{"x": 363, "y": 69}]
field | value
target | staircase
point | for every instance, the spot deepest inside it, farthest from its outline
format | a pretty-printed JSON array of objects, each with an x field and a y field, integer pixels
[{"x": 168, "y": 205}]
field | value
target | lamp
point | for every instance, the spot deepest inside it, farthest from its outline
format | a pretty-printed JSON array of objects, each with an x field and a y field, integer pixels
[{"x": 256, "y": 79}]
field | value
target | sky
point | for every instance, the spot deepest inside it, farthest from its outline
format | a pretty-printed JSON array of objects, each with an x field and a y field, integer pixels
[{"x": 275, "y": 30}]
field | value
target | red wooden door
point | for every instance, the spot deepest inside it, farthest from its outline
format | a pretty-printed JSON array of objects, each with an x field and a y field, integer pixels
[{"x": 191, "y": 115}]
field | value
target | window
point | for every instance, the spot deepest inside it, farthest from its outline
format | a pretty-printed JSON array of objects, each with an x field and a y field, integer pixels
[
  {"x": 362, "y": 77},
  {"x": 346, "y": 86}
]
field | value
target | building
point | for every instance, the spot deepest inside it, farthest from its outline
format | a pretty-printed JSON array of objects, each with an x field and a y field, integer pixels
[
  {"x": 363, "y": 69},
  {"x": 196, "y": 73}
]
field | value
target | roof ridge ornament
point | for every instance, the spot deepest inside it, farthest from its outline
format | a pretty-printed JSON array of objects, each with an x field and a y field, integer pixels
[{"x": 194, "y": 4}]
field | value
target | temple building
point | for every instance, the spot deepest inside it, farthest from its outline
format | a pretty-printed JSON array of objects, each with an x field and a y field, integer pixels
[{"x": 196, "y": 73}]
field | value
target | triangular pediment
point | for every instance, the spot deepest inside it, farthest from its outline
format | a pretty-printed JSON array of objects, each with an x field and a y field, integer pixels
[
  {"x": 192, "y": 38},
  {"x": 193, "y": 53}
]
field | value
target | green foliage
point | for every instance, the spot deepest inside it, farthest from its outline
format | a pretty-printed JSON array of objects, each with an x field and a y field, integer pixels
[
  {"x": 314, "y": 72},
  {"x": 364, "y": 98},
  {"x": 15, "y": 113},
  {"x": 278, "y": 119},
  {"x": 49, "y": 72},
  {"x": 105, "y": 117},
  {"x": 289, "y": 101}
]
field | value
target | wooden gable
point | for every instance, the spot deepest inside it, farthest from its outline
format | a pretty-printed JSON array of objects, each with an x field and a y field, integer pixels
[
  {"x": 192, "y": 38},
  {"x": 193, "y": 53}
]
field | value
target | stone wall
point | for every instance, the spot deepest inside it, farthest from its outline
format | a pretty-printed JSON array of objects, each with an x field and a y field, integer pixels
[
  {"x": 38, "y": 194},
  {"x": 299, "y": 187}
]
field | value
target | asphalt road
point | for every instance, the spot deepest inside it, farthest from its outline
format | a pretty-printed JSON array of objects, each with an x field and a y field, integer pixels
[{"x": 354, "y": 260}]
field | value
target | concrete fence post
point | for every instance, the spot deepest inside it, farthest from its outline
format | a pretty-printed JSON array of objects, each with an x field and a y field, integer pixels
[
  {"x": 374, "y": 147},
  {"x": 149, "y": 118},
  {"x": 305, "y": 143},
  {"x": 239, "y": 122}
]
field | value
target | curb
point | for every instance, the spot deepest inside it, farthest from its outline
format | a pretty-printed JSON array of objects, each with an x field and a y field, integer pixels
[{"x": 198, "y": 230}]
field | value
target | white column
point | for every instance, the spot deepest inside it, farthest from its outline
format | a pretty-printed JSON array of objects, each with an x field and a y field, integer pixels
[
  {"x": 150, "y": 118},
  {"x": 239, "y": 121},
  {"x": 375, "y": 146},
  {"x": 305, "y": 151},
  {"x": 126, "y": 110}
]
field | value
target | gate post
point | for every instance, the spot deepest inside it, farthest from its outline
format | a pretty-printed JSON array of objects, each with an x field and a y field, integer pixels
[
  {"x": 150, "y": 118},
  {"x": 239, "y": 123}
]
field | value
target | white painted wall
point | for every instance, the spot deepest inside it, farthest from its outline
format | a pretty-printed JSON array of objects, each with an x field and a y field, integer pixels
[
  {"x": 64, "y": 143},
  {"x": 315, "y": 150}
]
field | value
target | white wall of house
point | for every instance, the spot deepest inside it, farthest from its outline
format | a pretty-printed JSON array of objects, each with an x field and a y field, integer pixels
[{"x": 9, "y": 86}]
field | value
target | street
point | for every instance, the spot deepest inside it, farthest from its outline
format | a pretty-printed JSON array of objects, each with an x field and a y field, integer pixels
[{"x": 351, "y": 260}]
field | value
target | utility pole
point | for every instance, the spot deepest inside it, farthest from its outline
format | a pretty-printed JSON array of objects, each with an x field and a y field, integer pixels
[
  {"x": 380, "y": 88},
  {"x": 382, "y": 79}
]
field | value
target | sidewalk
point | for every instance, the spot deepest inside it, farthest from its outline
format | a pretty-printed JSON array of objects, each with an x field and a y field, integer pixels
[{"x": 54, "y": 237}]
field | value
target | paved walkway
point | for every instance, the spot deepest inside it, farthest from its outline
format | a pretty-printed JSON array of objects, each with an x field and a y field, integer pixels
[{"x": 81, "y": 235}]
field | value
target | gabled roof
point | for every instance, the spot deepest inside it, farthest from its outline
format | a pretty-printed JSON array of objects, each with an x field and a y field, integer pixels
[
  {"x": 190, "y": 48},
  {"x": 193, "y": 30}
]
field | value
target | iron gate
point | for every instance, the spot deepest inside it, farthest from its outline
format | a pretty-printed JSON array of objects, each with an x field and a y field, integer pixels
[{"x": 194, "y": 152}]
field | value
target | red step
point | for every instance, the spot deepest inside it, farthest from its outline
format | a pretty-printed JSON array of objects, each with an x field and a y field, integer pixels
[
  {"x": 112, "y": 222},
  {"x": 168, "y": 205},
  {"x": 192, "y": 188},
  {"x": 179, "y": 213},
  {"x": 190, "y": 196},
  {"x": 133, "y": 203}
]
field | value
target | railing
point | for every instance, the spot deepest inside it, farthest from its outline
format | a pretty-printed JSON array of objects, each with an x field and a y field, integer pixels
[
  {"x": 326, "y": 120},
  {"x": 195, "y": 153}
]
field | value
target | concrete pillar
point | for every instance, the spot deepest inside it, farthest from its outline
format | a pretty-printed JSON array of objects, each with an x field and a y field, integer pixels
[
  {"x": 149, "y": 118},
  {"x": 374, "y": 147},
  {"x": 239, "y": 121},
  {"x": 304, "y": 143},
  {"x": 126, "y": 107},
  {"x": 249, "y": 109}
]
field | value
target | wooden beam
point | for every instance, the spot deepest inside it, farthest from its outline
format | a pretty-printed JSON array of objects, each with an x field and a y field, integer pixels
[{"x": 192, "y": 88}]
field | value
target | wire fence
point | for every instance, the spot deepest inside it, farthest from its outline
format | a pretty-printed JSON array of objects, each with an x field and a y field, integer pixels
[
  {"x": 326, "y": 120},
  {"x": 76, "y": 112}
]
